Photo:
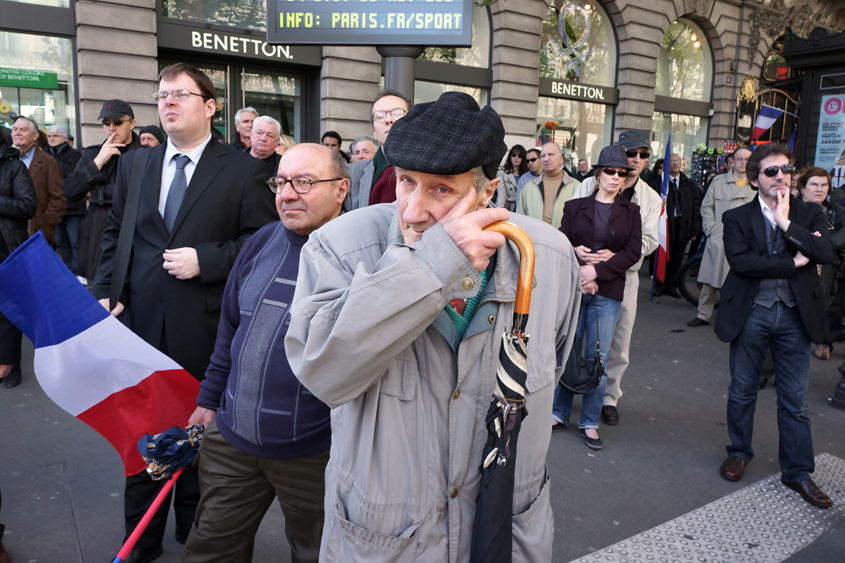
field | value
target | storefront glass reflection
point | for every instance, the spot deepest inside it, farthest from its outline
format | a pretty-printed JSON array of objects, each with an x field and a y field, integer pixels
[
  {"x": 478, "y": 55},
  {"x": 53, "y": 3},
  {"x": 243, "y": 14},
  {"x": 581, "y": 129},
  {"x": 430, "y": 92},
  {"x": 276, "y": 96},
  {"x": 36, "y": 80},
  {"x": 688, "y": 132},
  {"x": 578, "y": 44},
  {"x": 685, "y": 64}
]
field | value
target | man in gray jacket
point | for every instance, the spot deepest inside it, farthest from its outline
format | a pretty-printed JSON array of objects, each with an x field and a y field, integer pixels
[{"x": 396, "y": 324}]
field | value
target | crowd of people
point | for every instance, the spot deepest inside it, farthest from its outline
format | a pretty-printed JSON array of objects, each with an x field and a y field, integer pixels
[{"x": 342, "y": 309}]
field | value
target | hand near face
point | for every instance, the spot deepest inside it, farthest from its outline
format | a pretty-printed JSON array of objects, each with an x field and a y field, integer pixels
[
  {"x": 182, "y": 263},
  {"x": 465, "y": 226},
  {"x": 781, "y": 210},
  {"x": 108, "y": 150}
]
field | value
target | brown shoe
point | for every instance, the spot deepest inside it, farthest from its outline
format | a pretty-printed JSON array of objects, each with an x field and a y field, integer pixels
[
  {"x": 810, "y": 492},
  {"x": 733, "y": 468},
  {"x": 823, "y": 352}
]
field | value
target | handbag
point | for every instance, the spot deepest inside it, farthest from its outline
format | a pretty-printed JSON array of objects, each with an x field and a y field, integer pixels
[{"x": 577, "y": 376}]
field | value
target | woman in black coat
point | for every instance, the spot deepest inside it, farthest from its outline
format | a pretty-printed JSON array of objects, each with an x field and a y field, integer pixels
[
  {"x": 606, "y": 231},
  {"x": 17, "y": 206}
]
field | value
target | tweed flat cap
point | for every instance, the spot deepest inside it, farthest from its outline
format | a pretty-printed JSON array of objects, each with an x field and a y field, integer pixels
[
  {"x": 634, "y": 139},
  {"x": 448, "y": 137}
]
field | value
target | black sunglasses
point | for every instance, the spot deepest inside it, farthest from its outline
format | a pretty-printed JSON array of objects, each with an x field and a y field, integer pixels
[
  {"x": 772, "y": 171},
  {"x": 632, "y": 154},
  {"x": 117, "y": 122},
  {"x": 620, "y": 173},
  {"x": 532, "y": 159}
]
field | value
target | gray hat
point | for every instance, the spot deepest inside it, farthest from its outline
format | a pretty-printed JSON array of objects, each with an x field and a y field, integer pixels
[
  {"x": 634, "y": 138},
  {"x": 448, "y": 137},
  {"x": 115, "y": 109},
  {"x": 613, "y": 156}
]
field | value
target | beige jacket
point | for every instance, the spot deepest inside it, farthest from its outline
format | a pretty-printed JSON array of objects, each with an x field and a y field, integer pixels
[
  {"x": 368, "y": 336},
  {"x": 531, "y": 201},
  {"x": 722, "y": 195}
]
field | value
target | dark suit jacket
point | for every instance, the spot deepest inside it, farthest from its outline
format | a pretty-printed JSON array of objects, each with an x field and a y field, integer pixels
[
  {"x": 47, "y": 178},
  {"x": 624, "y": 237},
  {"x": 225, "y": 203},
  {"x": 690, "y": 223},
  {"x": 745, "y": 249}
]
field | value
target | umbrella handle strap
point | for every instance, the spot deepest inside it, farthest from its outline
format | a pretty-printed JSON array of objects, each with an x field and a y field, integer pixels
[{"x": 526, "y": 271}]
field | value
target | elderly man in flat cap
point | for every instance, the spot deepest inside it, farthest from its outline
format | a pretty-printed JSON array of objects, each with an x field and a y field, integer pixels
[{"x": 396, "y": 324}]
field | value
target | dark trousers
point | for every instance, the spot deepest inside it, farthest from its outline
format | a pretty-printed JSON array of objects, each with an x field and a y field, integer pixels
[
  {"x": 10, "y": 344},
  {"x": 779, "y": 328},
  {"x": 237, "y": 490},
  {"x": 677, "y": 252},
  {"x": 139, "y": 494},
  {"x": 67, "y": 240}
]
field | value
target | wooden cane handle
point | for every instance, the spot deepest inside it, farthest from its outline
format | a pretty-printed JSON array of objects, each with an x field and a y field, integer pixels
[{"x": 526, "y": 262}]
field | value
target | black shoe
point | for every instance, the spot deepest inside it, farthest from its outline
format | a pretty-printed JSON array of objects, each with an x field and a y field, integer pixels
[
  {"x": 558, "y": 426},
  {"x": 12, "y": 380},
  {"x": 609, "y": 415},
  {"x": 810, "y": 492},
  {"x": 592, "y": 443},
  {"x": 145, "y": 555},
  {"x": 697, "y": 321},
  {"x": 672, "y": 292},
  {"x": 658, "y": 292}
]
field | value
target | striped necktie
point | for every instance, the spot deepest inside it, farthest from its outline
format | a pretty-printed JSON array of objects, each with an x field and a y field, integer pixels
[{"x": 178, "y": 187}]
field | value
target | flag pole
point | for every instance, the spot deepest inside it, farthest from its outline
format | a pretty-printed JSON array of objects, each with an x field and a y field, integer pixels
[{"x": 142, "y": 525}]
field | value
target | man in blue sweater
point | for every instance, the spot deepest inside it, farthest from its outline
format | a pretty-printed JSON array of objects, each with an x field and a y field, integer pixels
[{"x": 267, "y": 436}]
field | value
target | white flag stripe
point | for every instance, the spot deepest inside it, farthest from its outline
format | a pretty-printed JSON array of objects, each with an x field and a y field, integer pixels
[{"x": 77, "y": 386}]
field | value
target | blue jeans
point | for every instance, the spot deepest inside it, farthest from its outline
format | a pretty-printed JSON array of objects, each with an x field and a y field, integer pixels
[
  {"x": 67, "y": 240},
  {"x": 780, "y": 328},
  {"x": 608, "y": 311}
]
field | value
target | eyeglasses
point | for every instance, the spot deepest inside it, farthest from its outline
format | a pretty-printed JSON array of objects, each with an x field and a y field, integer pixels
[
  {"x": 117, "y": 122},
  {"x": 381, "y": 115},
  {"x": 179, "y": 95},
  {"x": 620, "y": 173},
  {"x": 772, "y": 171},
  {"x": 300, "y": 185},
  {"x": 532, "y": 159},
  {"x": 643, "y": 154},
  {"x": 674, "y": 162}
]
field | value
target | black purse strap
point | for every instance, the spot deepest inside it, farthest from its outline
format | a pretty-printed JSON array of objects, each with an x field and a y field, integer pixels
[{"x": 127, "y": 226}]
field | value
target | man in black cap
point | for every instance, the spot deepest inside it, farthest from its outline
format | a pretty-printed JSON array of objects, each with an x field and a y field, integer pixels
[
  {"x": 95, "y": 174},
  {"x": 151, "y": 136},
  {"x": 405, "y": 304}
]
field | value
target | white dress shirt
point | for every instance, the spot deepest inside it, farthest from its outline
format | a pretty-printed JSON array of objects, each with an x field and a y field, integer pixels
[
  {"x": 168, "y": 169},
  {"x": 768, "y": 213}
]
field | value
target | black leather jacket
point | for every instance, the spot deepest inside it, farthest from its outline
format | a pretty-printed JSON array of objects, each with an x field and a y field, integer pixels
[{"x": 17, "y": 200}]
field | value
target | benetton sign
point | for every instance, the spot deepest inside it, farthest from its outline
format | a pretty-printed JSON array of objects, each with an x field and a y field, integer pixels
[
  {"x": 576, "y": 91},
  {"x": 27, "y": 78}
]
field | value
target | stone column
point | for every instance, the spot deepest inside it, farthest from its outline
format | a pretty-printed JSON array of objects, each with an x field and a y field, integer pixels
[
  {"x": 517, "y": 25},
  {"x": 349, "y": 80},
  {"x": 116, "y": 57}
]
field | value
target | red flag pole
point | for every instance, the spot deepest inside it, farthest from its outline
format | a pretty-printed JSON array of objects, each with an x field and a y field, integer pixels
[{"x": 142, "y": 525}]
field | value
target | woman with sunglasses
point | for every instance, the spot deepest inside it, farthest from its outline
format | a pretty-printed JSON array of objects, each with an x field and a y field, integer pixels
[
  {"x": 609, "y": 229},
  {"x": 515, "y": 166}
]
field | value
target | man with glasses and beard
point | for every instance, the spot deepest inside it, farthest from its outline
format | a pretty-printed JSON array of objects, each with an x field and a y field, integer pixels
[
  {"x": 635, "y": 189},
  {"x": 772, "y": 298}
]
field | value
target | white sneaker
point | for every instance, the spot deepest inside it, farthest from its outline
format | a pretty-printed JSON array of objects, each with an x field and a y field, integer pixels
[{"x": 83, "y": 281}]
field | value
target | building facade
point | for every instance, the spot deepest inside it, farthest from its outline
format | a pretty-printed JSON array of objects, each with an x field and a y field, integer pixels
[{"x": 577, "y": 71}]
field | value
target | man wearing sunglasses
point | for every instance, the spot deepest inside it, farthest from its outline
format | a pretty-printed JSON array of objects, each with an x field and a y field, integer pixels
[
  {"x": 94, "y": 178},
  {"x": 535, "y": 168},
  {"x": 199, "y": 202},
  {"x": 772, "y": 299},
  {"x": 635, "y": 189},
  {"x": 374, "y": 181}
]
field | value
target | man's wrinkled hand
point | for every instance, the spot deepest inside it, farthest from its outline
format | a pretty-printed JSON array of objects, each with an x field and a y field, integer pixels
[
  {"x": 589, "y": 288},
  {"x": 588, "y": 274},
  {"x": 465, "y": 227},
  {"x": 182, "y": 263},
  {"x": 118, "y": 308},
  {"x": 202, "y": 416}
]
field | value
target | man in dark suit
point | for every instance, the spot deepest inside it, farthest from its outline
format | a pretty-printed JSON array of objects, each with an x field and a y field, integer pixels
[
  {"x": 199, "y": 203},
  {"x": 772, "y": 298}
]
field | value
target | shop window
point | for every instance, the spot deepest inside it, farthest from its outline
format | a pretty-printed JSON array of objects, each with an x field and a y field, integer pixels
[
  {"x": 478, "y": 55},
  {"x": 52, "y": 3},
  {"x": 775, "y": 68},
  {"x": 685, "y": 64},
  {"x": 430, "y": 91},
  {"x": 242, "y": 14},
  {"x": 582, "y": 129},
  {"x": 688, "y": 132},
  {"x": 578, "y": 44},
  {"x": 36, "y": 80}
]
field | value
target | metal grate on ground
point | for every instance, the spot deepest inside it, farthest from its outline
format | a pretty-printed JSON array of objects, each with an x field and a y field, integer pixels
[{"x": 762, "y": 523}]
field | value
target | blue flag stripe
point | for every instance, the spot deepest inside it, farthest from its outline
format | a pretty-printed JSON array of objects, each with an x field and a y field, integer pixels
[{"x": 41, "y": 297}]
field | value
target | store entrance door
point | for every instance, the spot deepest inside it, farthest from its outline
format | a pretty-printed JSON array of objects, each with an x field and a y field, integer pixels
[{"x": 273, "y": 93}]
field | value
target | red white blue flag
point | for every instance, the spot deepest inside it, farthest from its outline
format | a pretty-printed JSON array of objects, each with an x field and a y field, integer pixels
[
  {"x": 86, "y": 361},
  {"x": 765, "y": 119},
  {"x": 663, "y": 221}
]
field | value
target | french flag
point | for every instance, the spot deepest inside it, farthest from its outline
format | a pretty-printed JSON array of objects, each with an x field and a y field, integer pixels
[
  {"x": 663, "y": 221},
  {"x": 765, "y": 119},
  {"x": 86, "y": 361}
]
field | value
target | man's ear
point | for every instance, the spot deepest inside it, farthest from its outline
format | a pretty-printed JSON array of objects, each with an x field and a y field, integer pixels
[
  {"x": 342, "y": 190},
  {"x": 486, "y": 194}
]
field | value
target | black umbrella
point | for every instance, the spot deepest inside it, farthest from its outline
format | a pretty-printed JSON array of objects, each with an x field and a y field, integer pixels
[{"x": 492, "y": 531}]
